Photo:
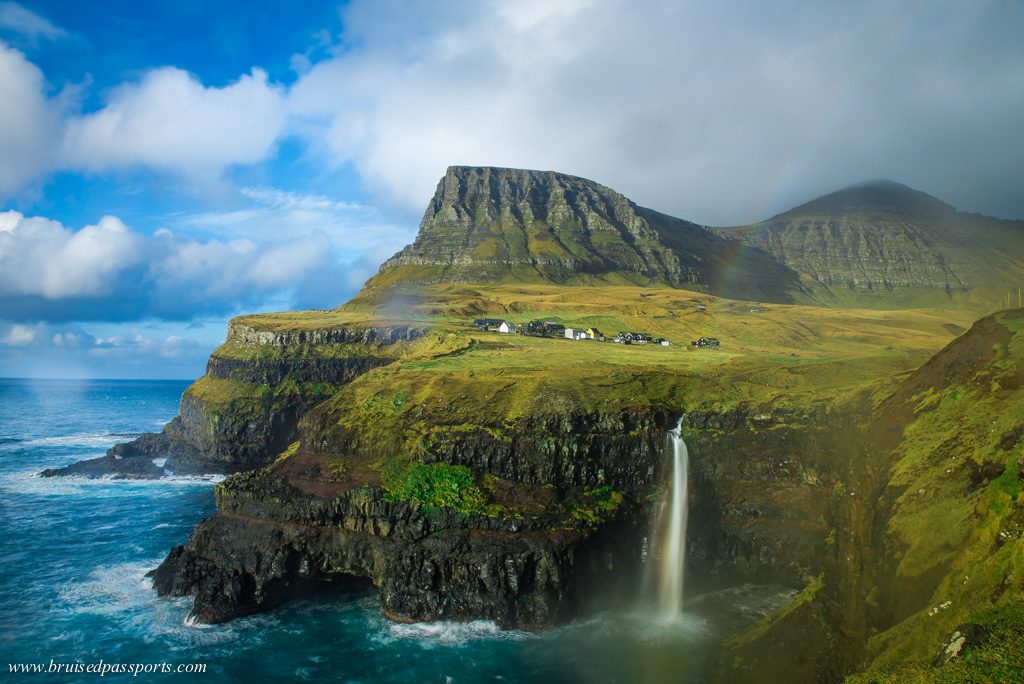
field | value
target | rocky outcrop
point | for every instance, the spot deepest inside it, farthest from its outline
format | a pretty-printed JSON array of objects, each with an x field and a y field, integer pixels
[
  {"x": 622, "y": 449},
  {"x": 248, "y": 335},
  {"x": 148, "y": 457},
  {"x": 271, "y": 539},
  {"x": 763, "y": 480},
  {"x": 488, "y": 224}
]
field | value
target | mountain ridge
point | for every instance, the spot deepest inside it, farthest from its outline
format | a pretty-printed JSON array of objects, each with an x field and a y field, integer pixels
[{"x": 877, "y": 244}]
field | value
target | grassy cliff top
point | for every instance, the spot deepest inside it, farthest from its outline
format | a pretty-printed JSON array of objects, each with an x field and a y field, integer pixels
[
  {"x": 769, "y": 353},
  {"x": 766, "y": 349}
]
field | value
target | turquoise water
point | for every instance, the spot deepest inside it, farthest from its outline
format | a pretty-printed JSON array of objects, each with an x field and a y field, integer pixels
[{"x": 73, "y": 555}]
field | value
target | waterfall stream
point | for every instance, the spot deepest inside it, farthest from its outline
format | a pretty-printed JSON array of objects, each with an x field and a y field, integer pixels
[{"x": 673, "y": 557}]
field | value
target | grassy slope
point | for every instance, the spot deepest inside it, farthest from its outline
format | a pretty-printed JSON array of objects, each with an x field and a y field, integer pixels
[{"x": 953, "y": 535}]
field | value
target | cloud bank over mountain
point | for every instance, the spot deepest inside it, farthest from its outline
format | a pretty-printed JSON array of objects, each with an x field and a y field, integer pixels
[{"x": 715, "y": 112}]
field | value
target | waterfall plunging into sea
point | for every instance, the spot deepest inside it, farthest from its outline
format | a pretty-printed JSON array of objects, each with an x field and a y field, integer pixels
[{"x": 673, "y": 556}]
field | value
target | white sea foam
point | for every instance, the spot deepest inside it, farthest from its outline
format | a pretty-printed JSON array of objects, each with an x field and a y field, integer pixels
[
  {"x": 31, "y": 482},
  {"x": 87, "y": 439},
  {"x": 123, "y": 592},
  {"x": 159, "y": 462},
  {"x": 451, "y": 633}
]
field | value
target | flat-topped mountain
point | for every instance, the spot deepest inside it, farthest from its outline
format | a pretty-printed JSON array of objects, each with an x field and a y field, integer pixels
[
  {"x": 877, "y": 244},
  {"x": 885, "y": 244},
  {"x": 494, "y": 225}
]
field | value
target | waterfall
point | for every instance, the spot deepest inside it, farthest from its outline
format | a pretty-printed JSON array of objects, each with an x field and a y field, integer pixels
[{"x": 673, "y": 557}]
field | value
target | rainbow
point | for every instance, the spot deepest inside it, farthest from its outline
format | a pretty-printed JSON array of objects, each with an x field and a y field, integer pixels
[{"x": 826, "y": 107}]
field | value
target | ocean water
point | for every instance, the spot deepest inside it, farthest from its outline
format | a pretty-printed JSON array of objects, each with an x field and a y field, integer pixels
[{"x": 74, "y": 553}]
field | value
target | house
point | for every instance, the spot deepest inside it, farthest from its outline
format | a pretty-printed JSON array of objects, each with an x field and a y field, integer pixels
[
  {"x": 506, "y": 327},
  {"x": 662, "y": 341},
  {"x": 570, "y": 333},
  {"x": 487, "y": 323},
  {"x": 593, "y": 334},
  {"x": 706, "y": 342},
  {"x": 635, "y": 337},
  {"x": 545, "y": 328}
]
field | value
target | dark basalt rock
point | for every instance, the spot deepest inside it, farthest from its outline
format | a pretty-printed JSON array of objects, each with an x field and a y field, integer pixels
[
  {"x": 274, "y": 372},
  {"x": 757, "y": 485},
  {"x": 270, "y": 541},
  {"x": 148, "y": 457}
]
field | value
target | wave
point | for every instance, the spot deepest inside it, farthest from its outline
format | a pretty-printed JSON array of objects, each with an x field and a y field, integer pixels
[
  {"x": 31, "y": 482},
  {"x": 123, "y": 591},
  {"x": 88, "y": 439},
  {"x": 449, "y": 633}
]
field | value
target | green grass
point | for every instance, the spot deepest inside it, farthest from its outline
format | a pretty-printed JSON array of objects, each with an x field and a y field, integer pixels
[
  {"x": 434, "y": 485},
  {"x": 1000, "y": 659},
  {"x": 597, "y": 505},
  {"x": 287, "y": 453},
  {"x": 946, "y": 532}
]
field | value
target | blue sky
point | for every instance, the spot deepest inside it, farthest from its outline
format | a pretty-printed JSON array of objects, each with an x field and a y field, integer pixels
[{"x": 166, "y": 165}]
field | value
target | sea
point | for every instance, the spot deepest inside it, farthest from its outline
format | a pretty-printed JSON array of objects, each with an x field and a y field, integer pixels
[{"x": 74, "y": 554}]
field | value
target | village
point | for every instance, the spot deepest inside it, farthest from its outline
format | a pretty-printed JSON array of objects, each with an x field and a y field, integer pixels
[{"x": 538, "y": 328}]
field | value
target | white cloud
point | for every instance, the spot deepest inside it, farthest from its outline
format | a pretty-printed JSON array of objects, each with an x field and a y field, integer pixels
[
  {"x": 69, "y": 350},
  {"x": 713, "y": 111},
  {"x": 16, "y": 18},
  {"x": 171, "y": 122},
  {"x": 19, "y": 335},
  {"x": 353, "y": 229},
  {"x": 108, "y": 271},
  {"x": 42, "y": 257},
  {"x": 29, "y": 123}
]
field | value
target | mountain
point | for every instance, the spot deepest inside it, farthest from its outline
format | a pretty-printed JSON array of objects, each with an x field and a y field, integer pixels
[
  {"x": 878, "y": 244},
  {"x": 885, "y": 244},
  {"x": 494, "y": 225}
]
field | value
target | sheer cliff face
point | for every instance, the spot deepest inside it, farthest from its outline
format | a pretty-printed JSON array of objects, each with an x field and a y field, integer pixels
[
  {"x": 885, "y": 242},
  {"x": 511, "y": 225},
  {"x": 499, "y": 224}
]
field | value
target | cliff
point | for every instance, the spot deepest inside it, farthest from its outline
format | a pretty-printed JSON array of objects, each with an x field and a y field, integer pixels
[
  {"x": 471, "y": 545},
  {"x": 493, "y": 225},
  {"x": 884, "y": 244},
  {"x": 246, "y": 407}
]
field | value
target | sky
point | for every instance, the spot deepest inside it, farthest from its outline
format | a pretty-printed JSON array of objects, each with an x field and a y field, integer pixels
[{"x": 166, "y": 165}]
